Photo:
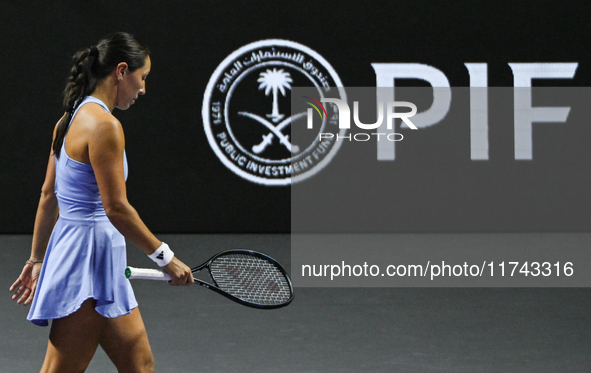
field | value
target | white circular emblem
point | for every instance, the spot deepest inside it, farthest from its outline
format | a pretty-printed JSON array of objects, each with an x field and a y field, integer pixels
[{"x": 249, "y": 119}]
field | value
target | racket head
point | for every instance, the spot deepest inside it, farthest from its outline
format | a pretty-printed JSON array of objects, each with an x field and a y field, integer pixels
[{"x": 251, "y": 278}]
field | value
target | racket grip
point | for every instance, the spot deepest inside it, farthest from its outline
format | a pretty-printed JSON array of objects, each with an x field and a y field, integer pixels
[{"x": 146, "y": 274}]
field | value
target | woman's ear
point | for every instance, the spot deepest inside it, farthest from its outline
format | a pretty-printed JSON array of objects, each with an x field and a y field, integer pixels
[{"x": 121, "y": 69}]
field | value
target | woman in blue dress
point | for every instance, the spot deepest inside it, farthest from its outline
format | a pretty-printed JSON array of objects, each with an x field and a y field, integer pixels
[{"x": 75, "y": 275}]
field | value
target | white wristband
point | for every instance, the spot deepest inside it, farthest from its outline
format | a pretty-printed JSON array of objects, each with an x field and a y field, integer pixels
[{"x": 162, "y": 256}]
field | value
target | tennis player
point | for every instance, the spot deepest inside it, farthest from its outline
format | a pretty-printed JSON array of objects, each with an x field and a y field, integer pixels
[{"x": 75, "y": 275}]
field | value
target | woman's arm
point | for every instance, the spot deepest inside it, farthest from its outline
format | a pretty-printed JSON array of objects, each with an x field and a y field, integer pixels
[
  {"x": 105, "y": 149},
  {"x": 47, "y": 212}
]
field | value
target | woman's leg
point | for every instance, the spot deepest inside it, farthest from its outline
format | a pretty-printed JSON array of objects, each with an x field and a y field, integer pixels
[
  {"x": 73, "y": 340},
  {"x": 125, "y": 341}
]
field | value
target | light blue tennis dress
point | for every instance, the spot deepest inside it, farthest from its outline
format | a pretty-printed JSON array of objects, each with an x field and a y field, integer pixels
[{"x": 86, "y": 256}]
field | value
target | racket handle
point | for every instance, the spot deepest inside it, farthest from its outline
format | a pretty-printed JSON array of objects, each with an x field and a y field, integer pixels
[{"x": 146, "y": 274}]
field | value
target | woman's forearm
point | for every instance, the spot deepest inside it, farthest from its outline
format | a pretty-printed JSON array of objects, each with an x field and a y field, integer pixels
[
  {"x": 47, "y": 213},
  {"x": 128, "y": 222}
]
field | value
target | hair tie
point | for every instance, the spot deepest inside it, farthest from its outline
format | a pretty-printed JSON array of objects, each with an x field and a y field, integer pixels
[{"x": 94, "y": 52}]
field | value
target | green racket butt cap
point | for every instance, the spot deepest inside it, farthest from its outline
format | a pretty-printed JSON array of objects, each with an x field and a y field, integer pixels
[{"x": 127, "y": 272}]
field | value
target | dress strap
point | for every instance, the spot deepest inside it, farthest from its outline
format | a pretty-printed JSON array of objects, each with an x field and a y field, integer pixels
[{"x": 85, "y": 101}]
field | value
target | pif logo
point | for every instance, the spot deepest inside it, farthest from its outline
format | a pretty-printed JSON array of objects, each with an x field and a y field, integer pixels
[{"x": 247, "y": 117}]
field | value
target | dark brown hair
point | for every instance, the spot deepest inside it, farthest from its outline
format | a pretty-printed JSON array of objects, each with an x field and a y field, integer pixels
[{"x": 91, "y": 65}]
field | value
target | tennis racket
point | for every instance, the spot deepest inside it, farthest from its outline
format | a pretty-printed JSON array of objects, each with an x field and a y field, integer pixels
[{"x": 244, "y": 276}]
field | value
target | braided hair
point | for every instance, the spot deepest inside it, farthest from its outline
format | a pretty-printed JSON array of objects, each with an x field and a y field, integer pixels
[{"x": 91, "y": 65}]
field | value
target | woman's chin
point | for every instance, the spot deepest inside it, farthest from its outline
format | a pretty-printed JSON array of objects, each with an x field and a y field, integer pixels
[{"x": 124, "y": 107}]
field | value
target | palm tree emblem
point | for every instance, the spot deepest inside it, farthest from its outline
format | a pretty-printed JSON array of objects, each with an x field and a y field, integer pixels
[{"x": 275, "y": 81}]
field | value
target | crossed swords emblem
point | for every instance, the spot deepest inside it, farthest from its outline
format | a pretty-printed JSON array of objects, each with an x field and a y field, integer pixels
[
  {"x": 275, "y": 81},
  {"x": 275, "y": 132}
]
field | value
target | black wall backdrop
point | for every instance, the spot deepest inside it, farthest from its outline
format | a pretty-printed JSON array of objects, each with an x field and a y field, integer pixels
[{"x": 176, "y": 182}]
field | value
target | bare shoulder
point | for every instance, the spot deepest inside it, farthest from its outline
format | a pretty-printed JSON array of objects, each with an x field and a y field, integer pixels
[
  {"x": 100, "y": 125},
  {"x": 107, "y": 126}
]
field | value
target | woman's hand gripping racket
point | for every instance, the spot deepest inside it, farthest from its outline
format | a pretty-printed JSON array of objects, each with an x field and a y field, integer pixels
[{"x": 247, "y": 277}]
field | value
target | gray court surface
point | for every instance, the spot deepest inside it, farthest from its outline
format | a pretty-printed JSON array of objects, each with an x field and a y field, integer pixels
[{"x": 327, "y": 329}]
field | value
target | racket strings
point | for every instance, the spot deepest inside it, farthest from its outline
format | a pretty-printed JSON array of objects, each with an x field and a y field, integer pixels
[{"x": 251, "y": 278}]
